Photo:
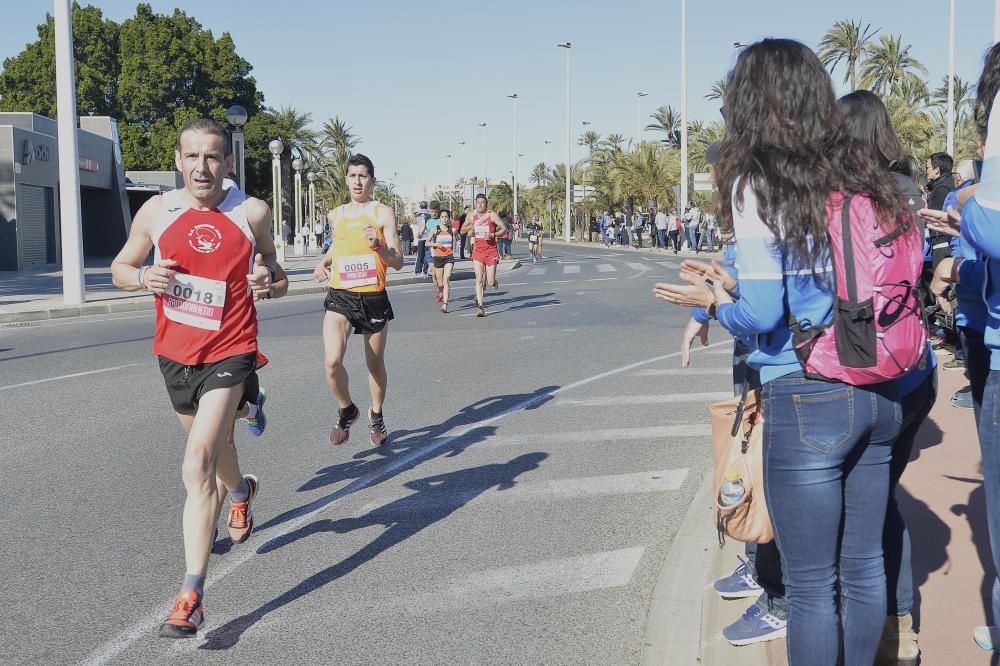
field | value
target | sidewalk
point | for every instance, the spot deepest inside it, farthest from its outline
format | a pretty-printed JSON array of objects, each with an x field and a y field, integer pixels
[
  {"x": 942, "y": 499},
  {"x": 36, "y": 294}
]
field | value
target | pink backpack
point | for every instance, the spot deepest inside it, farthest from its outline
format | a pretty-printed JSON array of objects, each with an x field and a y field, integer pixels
[{"x": 878, "y": 332}]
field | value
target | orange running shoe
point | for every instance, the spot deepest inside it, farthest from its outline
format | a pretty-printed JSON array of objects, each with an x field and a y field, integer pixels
[
  {"x": 185, "y": 617},
  {"x": 240, "y": 515}
]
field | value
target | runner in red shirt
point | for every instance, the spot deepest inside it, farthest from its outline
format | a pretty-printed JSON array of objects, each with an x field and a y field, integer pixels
[
  {"x": 485, "y": 226},
  {"x": 214, "y": 258}
]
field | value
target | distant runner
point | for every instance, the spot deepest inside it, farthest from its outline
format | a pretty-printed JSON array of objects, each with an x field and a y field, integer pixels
[
  {"x": 485, "y": 226},
  {"x": 442, "y": 244}
]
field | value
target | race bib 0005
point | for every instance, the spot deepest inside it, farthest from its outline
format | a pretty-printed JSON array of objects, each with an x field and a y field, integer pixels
[
  {"x": 195, "y": 301},
  {"x": 357, "y": 271},
  {"x": 482, "y": 230}
]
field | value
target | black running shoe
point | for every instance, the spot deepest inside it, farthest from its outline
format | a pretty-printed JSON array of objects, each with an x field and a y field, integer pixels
[{"x": 342, "y": 431}]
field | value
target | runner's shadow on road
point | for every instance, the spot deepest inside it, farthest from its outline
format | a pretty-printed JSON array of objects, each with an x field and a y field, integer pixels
[
  {"x": 376, "y": 465},
  {"x": 435, "y": 498},
  {"x": 492, "y": 300}
]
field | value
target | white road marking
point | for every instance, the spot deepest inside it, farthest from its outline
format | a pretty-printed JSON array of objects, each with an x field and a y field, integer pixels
[
  {"x": 683, "y": 372},
  {"x": 607, "y": 435},
  {"x": 75, "y": 321},
  {"x": 539, "y": 270},
  {"x": 145, "y": 625},
  {"x": 606, "y": 268},
  {"x": 655, "y": 399},
  {"x": 656, "y": 481},
  {"x": 600, "y": 279},
  {"x": 571, "y": 268},
  {"x": 637, "y": 266},
  {"x": 570, "y": 575},
  {"x": 556, "y": 281},
  {"x": 61, "y": 377}
]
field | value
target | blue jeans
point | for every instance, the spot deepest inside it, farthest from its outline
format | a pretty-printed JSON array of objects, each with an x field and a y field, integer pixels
[
  {"x": 827, "y": 448},
  {"x": 915, "y": 406},
  {"x": 662, "y": 233},
  {"x": 691, "y": 232},
  {"x": 421, "y": 265},
  {"x": 977, "y": 365},
  {"x": 989, "y": 443}
]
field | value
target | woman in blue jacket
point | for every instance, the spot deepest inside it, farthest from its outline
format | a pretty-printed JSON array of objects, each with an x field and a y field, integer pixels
[{"x": 827, "y": 445}]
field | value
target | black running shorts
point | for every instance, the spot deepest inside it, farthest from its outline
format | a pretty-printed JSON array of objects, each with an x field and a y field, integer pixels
[
  {"x": 367, "y": 313},
  {"x": 441, "y": 262},
  {"x": 187, "y": 383}
]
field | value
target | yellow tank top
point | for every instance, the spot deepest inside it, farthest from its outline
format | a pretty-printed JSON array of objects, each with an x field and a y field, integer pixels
[{"x": 355, "y": 266}]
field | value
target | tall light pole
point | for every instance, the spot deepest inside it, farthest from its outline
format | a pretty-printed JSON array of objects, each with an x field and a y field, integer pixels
[
  {"x": 951, "y": 78},
  {"x": 70, "y": 215},
  {"x": 311, "y": 176},
  {"x": 566, "y": 217},
  {"x": 684, "y": 103},
  {"x": 996, "y": 21},
  {"x": 514, "y": 174},
  {"x": 462, "y": 175},
  {"x": 583, "y": 197},
  {"x": 451, "y": 183},
  {"x": 297, "y": 164},
  {"x": 277, "y": 147},
  {"x": 483, "y": 125},
  {"x": 237, "y": 117},
  {"x": 638, "y": 116},
  {"x": 547, "y": 142}
]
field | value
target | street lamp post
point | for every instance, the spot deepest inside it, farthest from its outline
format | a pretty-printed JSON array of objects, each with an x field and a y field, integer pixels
[
  {"x": 684, "y": 128},
  {"x": 71, "y": 217},
  {"x": 514, "y": 174},
  {"x": 237, "y": 117},
  {"x": 566, "y": 216},
  {"x": 311, "y": 176},
  {"x": 547, "y": 142},
  {"x": 462, "y": 175},
  {"x": 483, "y": 125},
  {"x": 277, "y": 147},
  {"x": 297, "y": 164},
  {"x": 583, "y": 196},
  {"x": 951, "y": 78},
  {"x": 451, "y": 183},
  {"x": 638, "y": 116}
]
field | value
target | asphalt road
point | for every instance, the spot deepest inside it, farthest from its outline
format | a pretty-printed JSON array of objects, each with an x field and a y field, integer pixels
[{"x": 540, "y": 461}]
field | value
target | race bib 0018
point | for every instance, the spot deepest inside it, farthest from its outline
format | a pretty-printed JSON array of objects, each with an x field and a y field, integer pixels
[
  {"x": 195, "y": 301},
  {"x": 482, "y": 230},
  {"x": 357, "y": 271}
]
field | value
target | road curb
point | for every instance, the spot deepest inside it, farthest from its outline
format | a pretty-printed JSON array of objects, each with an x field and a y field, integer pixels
[
  {"x": 129, "y": 303},
  {"x": 672, "y": 635}
]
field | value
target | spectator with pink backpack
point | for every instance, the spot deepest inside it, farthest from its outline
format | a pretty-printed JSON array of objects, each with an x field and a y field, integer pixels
[{"x": 829, "y": 261}]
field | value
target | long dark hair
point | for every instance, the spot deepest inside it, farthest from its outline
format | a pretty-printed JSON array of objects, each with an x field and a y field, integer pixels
[
  {"x": 867, "y": 121},
  {"x": 786, "y": 140},
  {"x": 986, "y": 90}
]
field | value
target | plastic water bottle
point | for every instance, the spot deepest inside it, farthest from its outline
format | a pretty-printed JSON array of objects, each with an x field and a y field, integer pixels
[{"x": 731, "y": 491}]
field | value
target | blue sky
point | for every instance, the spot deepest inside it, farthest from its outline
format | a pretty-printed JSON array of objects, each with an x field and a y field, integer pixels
[{"x": 415, "y": 78}]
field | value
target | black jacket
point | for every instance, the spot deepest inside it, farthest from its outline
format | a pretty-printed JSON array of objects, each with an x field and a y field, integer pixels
[{"x": 938, "y": 189}]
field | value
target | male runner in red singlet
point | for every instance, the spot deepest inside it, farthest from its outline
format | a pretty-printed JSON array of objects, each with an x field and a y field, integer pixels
[
  {"x": 485, "y": 226},
  {"x": 214, "y": 258},
  {"x": 365, "y": 243}
]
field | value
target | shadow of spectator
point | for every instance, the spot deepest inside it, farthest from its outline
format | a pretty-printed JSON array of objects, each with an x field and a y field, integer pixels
[
  {"x": 929, "y": 538},
  {"x": 975, "y": 512}
]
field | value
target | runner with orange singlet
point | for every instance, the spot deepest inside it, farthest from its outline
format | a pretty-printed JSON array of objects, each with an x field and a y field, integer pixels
[
  {"x": 485, "y": 226},
  {"x": 365, "y": 244}
]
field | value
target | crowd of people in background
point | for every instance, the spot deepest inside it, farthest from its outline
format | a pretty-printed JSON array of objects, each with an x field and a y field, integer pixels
[{"x": 798, "y": 170}]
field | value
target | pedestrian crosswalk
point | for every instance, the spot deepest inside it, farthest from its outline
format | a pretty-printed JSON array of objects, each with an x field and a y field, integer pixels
[{"x": 607, "y": 270}]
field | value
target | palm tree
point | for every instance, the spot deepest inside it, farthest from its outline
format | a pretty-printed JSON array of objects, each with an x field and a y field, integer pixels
[
  {"x": 590, "y": 139},
  {"x": 539, "y": 174},
  {"x": 962, "y": 97},
  {"x": 717, "y": 91},
  {"x": 647, "y": 174},
  {"x": 846, "y": 41},
  {"x": 890, "y": 63},
  {"x": 612, "y": 144},
  {"x": 668, "y": 121}
]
